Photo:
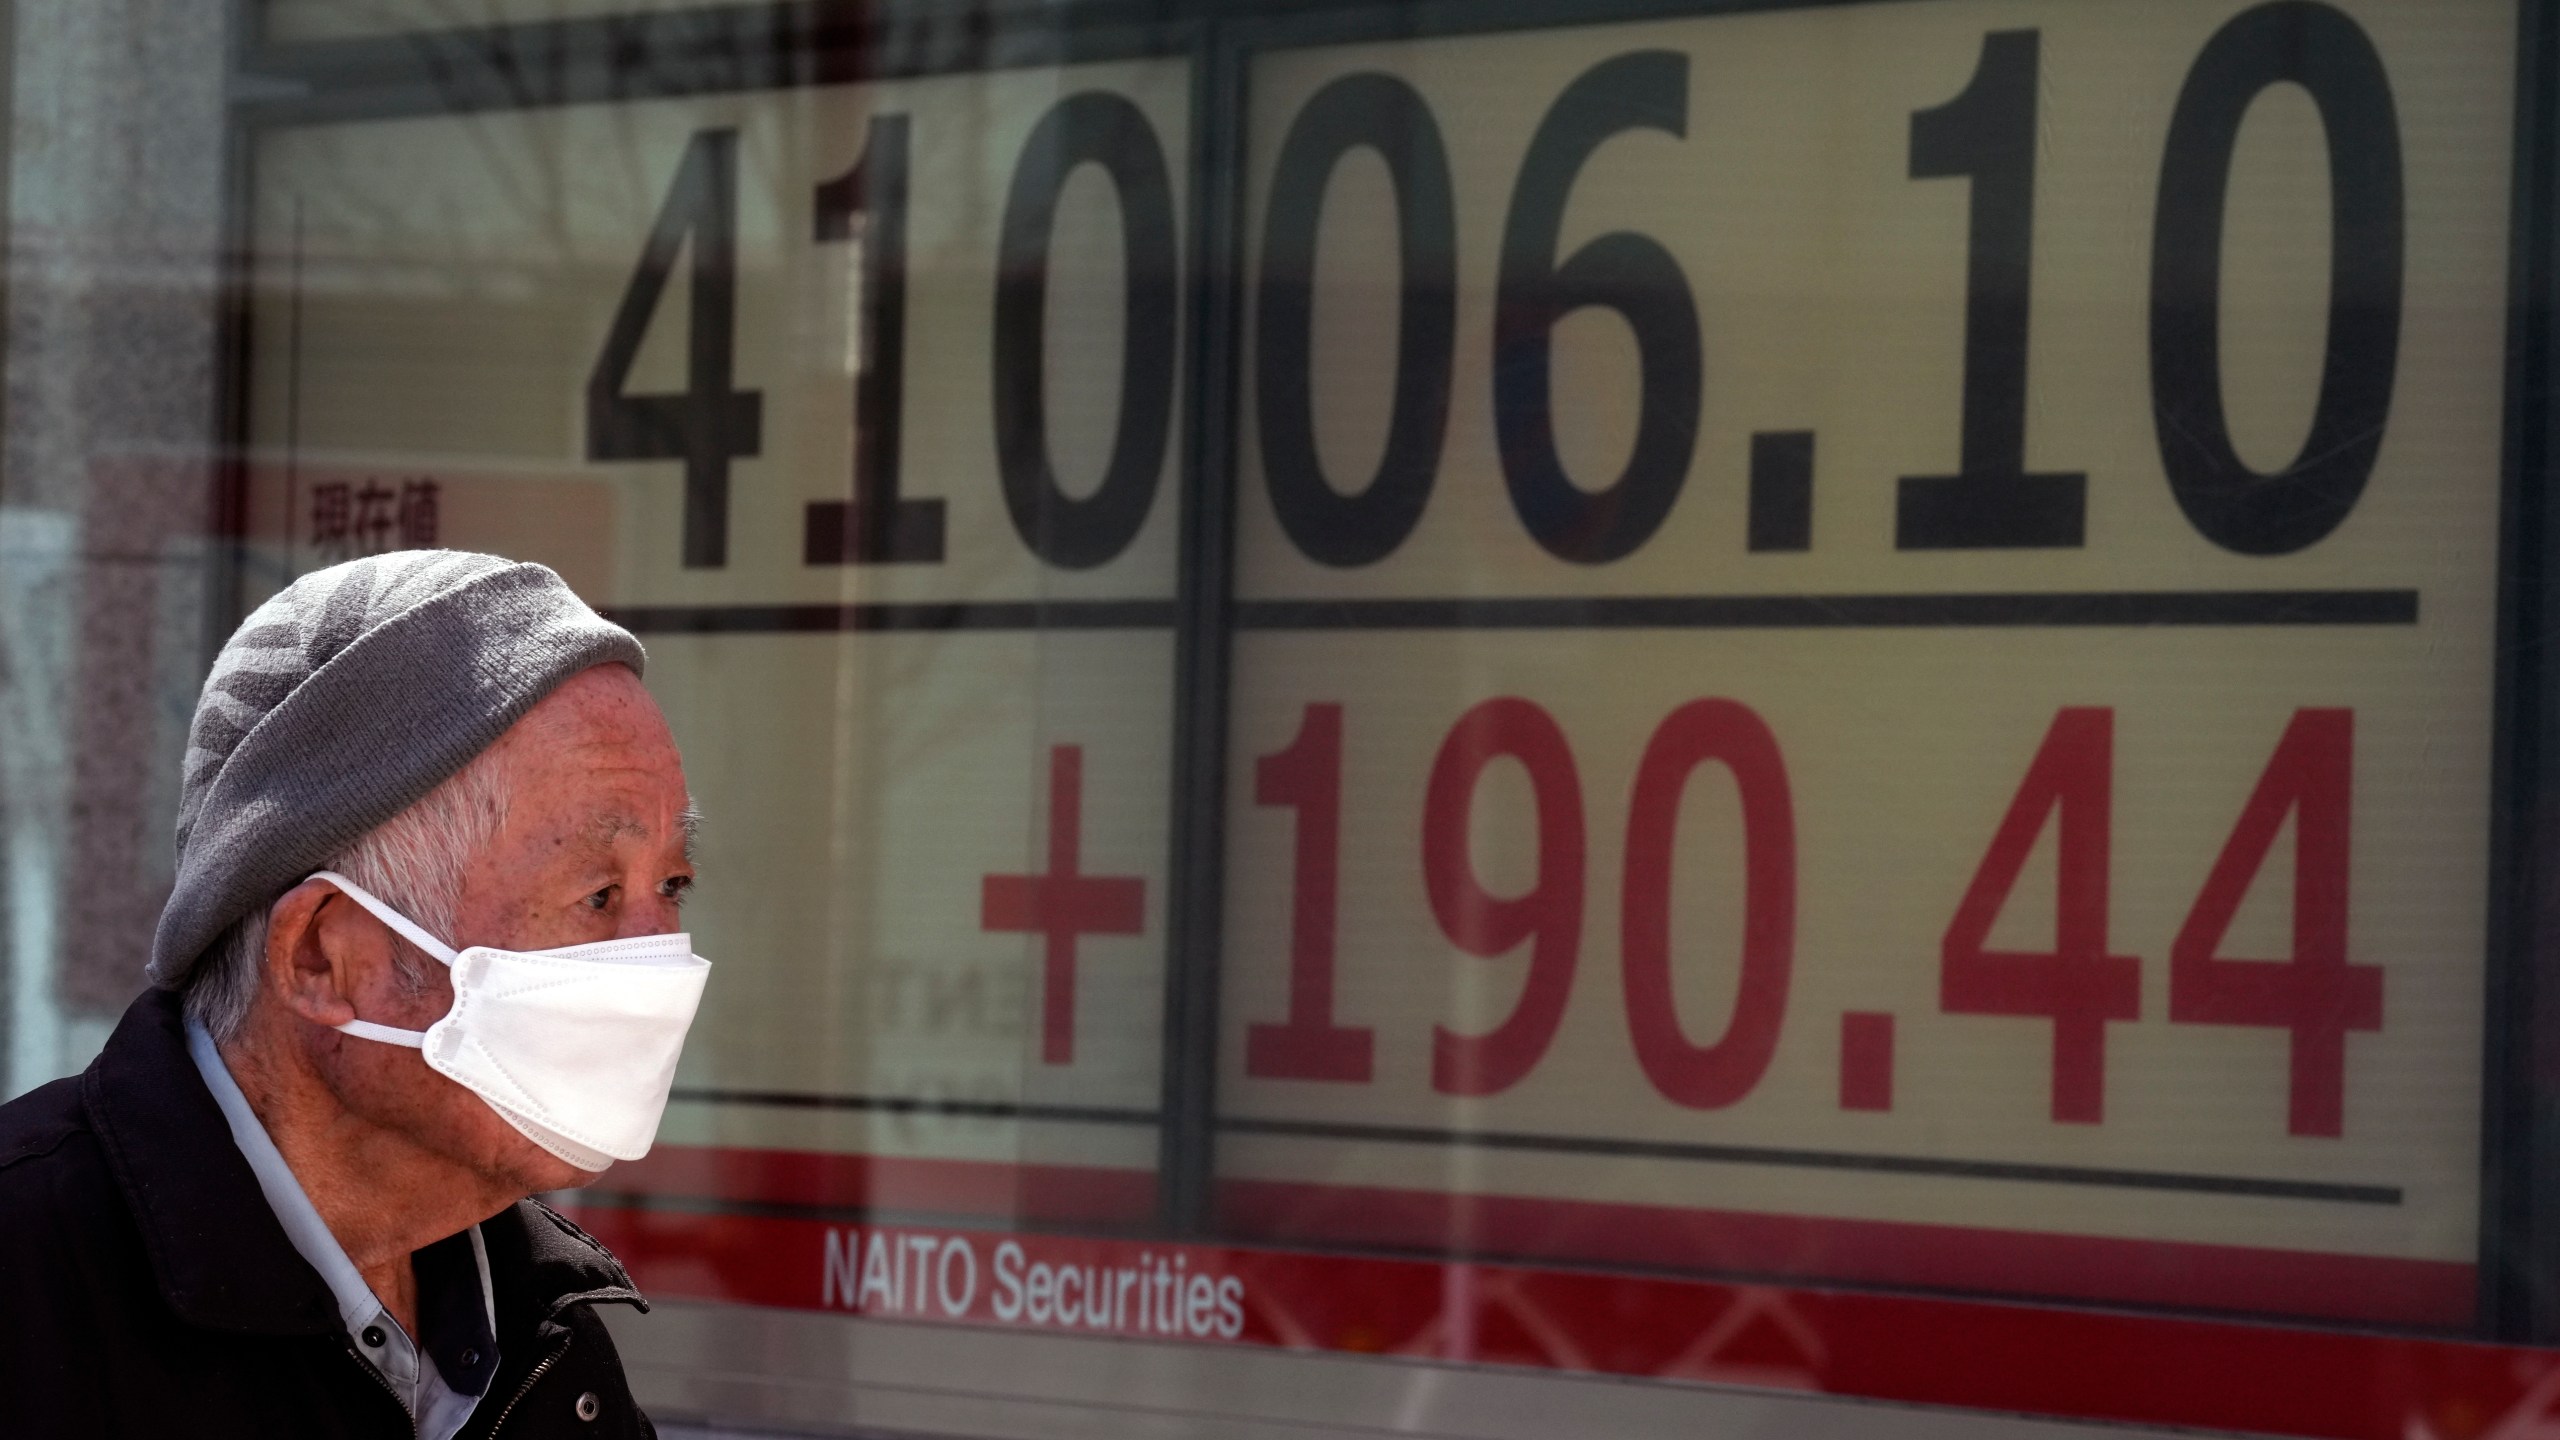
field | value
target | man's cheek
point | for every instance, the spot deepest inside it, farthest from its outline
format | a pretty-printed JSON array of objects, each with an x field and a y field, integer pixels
[{"x": 388, "y": 1085}]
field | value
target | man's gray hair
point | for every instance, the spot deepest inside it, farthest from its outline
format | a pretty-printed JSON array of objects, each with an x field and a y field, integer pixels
[{"x": 415, "y": 861}]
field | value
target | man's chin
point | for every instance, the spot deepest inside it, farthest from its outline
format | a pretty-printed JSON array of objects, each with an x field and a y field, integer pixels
[
  {"x": 544, "y": 1172},
  {"x": 525, "y": 1168},
  {"x": 527, "y": 1165}
]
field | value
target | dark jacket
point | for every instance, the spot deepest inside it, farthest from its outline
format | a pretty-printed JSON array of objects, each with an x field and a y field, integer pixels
[{"x": 146, "y": 1288}]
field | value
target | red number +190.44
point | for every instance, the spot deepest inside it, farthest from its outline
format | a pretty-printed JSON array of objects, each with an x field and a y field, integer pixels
[{"x": 2315, "y": 994}]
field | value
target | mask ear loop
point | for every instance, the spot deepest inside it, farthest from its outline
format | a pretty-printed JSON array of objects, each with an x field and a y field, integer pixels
[{"x": 409, "y": 930}]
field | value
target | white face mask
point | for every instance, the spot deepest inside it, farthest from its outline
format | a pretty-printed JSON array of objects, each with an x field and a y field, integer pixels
[{"x": 575, "y": 1047}]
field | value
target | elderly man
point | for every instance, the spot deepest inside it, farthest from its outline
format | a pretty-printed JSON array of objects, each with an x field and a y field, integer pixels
[{"x": 419, "y": 964}]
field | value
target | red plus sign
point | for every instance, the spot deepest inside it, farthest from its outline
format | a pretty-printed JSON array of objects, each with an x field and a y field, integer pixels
[{"x": 1062, "y": 904}]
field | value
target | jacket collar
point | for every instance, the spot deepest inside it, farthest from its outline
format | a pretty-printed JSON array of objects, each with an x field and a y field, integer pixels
[
  {"x": 560, "y": 1265},
  {"x": 221, "y": 1258}
]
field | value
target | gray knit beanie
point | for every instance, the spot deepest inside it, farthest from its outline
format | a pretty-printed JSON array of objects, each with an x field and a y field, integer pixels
[{"x": 341, "y": 701}]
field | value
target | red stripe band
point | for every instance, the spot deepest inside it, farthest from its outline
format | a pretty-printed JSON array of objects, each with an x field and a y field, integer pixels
[
  {"x": 1980, "y": 1355},
  {"x": 2027, "y": 1264}
]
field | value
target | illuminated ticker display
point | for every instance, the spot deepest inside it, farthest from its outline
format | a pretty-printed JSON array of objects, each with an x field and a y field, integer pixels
[{"x": 1850, "y": 642}]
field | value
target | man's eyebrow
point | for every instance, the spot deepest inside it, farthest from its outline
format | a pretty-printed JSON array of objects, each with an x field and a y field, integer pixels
[
  {"x": 614, "y": 825},
  {"x": 617, "y": 825}
]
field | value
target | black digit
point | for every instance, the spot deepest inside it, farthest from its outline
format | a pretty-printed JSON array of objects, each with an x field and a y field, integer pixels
[
  {"x": 1988, "y": 133},
  {"x": 1383, "y": 113},
  {"x": 2230, "y": 504},
  {"x": 1622, "y": 271},
  {"x": 1103, "y": 129},
  {"x": 877, "y": 527},
  {"x": 711, "y": 422}
]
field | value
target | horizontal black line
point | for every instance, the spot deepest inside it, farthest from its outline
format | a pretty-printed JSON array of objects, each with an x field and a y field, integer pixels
[
  {"x": 914, "y": 1105},
  {"x": 606, "y": 1198},
  {"x": 932, "y": 616},
  {"x": 708, "y": 50},
  {"x": 1841, "y": 612},
  {"x": 1574, "y": 1145},
  {"x": 1825, "y": 1160}
]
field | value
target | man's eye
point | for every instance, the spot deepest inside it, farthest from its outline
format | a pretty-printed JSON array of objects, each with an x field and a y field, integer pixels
[
  {"x": 677, "y": 888},
  {"x": 601, "y": 900}
]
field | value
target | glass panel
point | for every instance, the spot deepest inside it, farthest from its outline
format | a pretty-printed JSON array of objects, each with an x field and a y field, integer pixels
[
  {"x": 664, "y": 347},
  {"x": 1403, "y": 710},
  {"x": 1769, "y": 821}
]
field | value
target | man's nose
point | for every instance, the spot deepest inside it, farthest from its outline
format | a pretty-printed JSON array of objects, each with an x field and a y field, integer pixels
[{"x": 649, "y": 913}]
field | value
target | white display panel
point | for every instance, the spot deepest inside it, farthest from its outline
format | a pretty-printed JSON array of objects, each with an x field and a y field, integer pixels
[
  {"x": 1854, "y": 643},
  {"x": 1810, "y": 574},
  {"x": 680, "y": 350}
]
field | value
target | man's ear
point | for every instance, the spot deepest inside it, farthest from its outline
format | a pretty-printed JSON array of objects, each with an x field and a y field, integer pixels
[{"x": 315, "y": 955}]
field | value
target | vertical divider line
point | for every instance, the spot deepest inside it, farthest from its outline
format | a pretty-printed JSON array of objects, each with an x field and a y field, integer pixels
[
  {"x": 235, "y": 276},
  {"x": 9, "y": 956},
  {"x": 2519, "y": 1246},
  {"x": 1202, "y": 644},
  {"x": 9, "y": 256},
  {"x": 292, "y": 390}
]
